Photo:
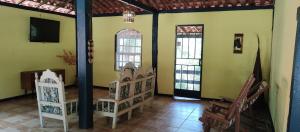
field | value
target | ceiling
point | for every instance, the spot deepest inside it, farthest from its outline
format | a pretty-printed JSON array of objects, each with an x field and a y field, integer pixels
[{"x": 116, "y": 7}]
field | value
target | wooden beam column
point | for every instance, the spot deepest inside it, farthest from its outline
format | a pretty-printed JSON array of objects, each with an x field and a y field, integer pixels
[
  {"x": 155, "y": 46},
  {"x": 294, "y": 115},
  {"x": 84, "y": 67}
]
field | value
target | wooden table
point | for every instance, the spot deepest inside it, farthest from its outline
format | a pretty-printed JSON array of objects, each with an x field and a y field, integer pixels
[{"x": 28, "y": 77}]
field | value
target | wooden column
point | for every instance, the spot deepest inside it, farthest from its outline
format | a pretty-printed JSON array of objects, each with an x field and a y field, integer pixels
[
  {"x": 294, "y": 115},
  {"x": 84, "y": 68},
  {"x": 155, "y": 46}
]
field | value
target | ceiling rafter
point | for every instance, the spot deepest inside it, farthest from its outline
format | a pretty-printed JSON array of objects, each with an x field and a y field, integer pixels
[{"x": 140, "y": 5}]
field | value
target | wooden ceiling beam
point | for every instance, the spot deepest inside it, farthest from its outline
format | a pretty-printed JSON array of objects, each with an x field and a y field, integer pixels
[{"x": 139, "y": 5}]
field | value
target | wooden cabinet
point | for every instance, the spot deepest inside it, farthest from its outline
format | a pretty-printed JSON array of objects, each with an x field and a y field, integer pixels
[{"x": 28, "y": 77}]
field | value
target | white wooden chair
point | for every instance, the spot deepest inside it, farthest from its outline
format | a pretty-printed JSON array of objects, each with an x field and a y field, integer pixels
[
  {"x": 139, "y": 88},
  {"x": 148, "y": 93},
  {"x": 51, "y": 99},
  {"x": 131, "y": 91},
  {"x": 119, "y": 100}
]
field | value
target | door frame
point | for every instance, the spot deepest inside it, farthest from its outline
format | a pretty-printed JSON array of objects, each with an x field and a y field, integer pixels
[
  {"x": 174, "y": 64},
  {"x": 293, "y": 117}
]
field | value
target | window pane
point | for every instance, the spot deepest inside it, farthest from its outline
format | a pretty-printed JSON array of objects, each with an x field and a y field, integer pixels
[
  {"x": 137, "y": 64},
  {"x": 128, "y": 48},
  {"x": 121, "y": 41},
  {"x": 137, "y": 58},
  {"x": 138, "y": 50},
  {"x": 138, "y": 42},
  {"x": 121, "y": 49},
  {"x": 131, "y": 58}
]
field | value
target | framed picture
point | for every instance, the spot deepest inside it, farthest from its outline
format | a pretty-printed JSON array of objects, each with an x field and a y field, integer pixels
[{"x": 238, "y": 43}]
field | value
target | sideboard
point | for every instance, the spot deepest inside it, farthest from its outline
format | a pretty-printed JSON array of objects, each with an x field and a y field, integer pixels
[{"x": 28, "y": 77}]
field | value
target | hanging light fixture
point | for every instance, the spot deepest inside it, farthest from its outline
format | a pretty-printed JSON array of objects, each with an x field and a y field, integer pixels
[{"x": 128, "y": 16}]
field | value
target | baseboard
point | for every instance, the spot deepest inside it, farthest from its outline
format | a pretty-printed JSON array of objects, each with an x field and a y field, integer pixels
[
  {"x": 209, "y": 99},
  {"x": 166, "y": 95},
  {"x": 70, "y": 86},
  {"x": 100, "y": 87},
  {"x": 17, "y": 97}
]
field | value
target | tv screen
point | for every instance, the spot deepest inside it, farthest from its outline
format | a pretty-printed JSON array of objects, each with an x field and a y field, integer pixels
[{"x": 43, "y": 30}]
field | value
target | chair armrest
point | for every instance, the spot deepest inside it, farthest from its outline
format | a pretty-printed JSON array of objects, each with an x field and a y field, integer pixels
[
  {"x": 105, "y": 100},
  {"x": 219, "y": 104},
  {"x": 226, "y": 99},
  {"x": 71, "y": 101},
  {"x": 105, "y": 105},
  {"x": 71, "y": 106}
]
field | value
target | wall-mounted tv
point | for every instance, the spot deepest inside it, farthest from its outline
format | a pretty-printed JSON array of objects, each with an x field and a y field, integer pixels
[{"x": 43, "y": 30}]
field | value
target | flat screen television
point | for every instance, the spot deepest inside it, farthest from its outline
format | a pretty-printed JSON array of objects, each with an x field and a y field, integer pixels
[{"x": 43, "y": 30}]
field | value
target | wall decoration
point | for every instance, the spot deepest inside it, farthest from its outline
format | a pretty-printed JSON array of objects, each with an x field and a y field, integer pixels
[
  {"x": 238, "y": 43},
  {"x": 68, "y": 57}
]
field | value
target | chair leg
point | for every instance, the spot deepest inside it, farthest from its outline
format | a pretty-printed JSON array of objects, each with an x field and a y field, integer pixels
[
  {"x": 129, "y": 115},
  {"x": 206, "y": 128},
  {"x": 114, "y": 124},
  {"x": 42, "y": 122},
  {"x": 151, "y": 103},
  {"x": 65, "y": 125},
  {"x": 142, "y": 108},
  {"x": 237, "y": 123}
]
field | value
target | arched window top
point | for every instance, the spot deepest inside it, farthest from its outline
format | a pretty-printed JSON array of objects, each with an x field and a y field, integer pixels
[
  {"x": 128, "y": 48},
  {"x": 129, "y": 33}
]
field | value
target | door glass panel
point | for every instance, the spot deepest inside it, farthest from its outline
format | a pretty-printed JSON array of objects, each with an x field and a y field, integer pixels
[
  {"x": 185, "y": 52},
  {"x": 179, "y": 47},
  {"x": 192, "y": 47},
  {"x": 184, "y": 77},
  {"x": 198, "y": 48},
  {"x": 191, "y": 62}
]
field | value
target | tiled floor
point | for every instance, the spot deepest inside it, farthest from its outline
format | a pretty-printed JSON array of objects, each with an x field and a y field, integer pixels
[{"x": 166, "y": 115}]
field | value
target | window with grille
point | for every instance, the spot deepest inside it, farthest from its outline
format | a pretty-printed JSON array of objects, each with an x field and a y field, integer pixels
[{"x": 128, "y": 48}]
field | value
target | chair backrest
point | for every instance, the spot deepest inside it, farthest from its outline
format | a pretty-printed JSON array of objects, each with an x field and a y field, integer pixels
[
  {"x": 129, "y": 66},
  {"x": 121, "y": 89},
  {"x": 261, "y": 88},
  {"x": 239, "y": 102},
  {"x": 138, "y": 79},
  {"x": 150, "y": 79},
  {"x": 50, "y": 93}
]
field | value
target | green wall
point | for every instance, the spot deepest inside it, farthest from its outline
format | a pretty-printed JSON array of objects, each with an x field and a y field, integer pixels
[
  {"x": 18, "y": 54},
  {"x": 282, "y": 61},
  {"x": 104, "y": 30},
  {"x": 223, "y": 72}
]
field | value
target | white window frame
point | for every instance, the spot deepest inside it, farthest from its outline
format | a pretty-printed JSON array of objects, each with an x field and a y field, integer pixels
[{"x": 128, "y": 48}]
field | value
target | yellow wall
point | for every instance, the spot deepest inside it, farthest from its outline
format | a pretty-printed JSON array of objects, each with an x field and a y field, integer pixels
[
  {"x": 282, "y": 61},
  {"x": 18, "y": 54},
  {"x": 223, "y": 72},
  {"x": 104, "y": 30}
]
